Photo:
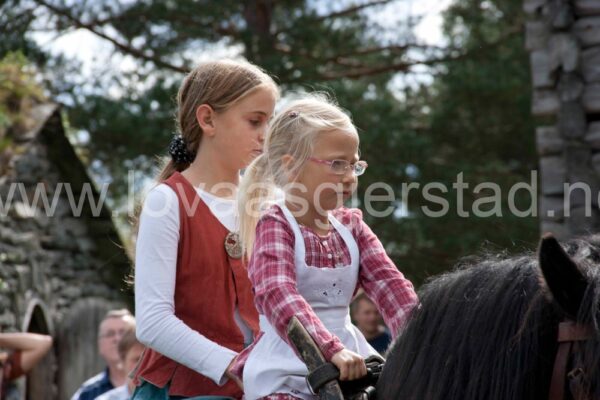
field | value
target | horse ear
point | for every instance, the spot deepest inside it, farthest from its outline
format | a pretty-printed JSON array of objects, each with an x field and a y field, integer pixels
[{"x": 562, "y": 275}]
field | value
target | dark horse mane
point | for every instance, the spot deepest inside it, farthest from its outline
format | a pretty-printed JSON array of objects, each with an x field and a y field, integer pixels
[{"x": 487, "y": 330}]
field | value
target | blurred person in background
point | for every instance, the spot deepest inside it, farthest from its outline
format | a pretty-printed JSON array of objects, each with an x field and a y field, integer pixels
[
  {"x": 111, "y": 330},
  {"x": 367, "y": 319},
  {"x": 130, "y": 352},
  {"x": 20, "y": 353}
]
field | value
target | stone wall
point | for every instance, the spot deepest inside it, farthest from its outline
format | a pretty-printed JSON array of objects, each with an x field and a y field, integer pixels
[
  {"x": 563, "y": 38},
  {"x": 60, "y": 270}
]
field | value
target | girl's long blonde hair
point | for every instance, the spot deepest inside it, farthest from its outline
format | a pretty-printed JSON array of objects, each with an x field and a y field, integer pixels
[{"x": 292, "y": 132}]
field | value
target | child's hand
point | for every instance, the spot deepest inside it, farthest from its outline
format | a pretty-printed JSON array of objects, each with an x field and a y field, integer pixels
[
  {"x": 351, "y": 365},
  {"x": 229, "y": 374}
]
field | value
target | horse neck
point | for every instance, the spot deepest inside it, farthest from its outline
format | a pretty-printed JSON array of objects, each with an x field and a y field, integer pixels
[{"x": 494, "y": 350}]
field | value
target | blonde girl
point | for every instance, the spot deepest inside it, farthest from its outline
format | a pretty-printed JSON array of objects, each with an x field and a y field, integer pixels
[
  {"x": 308, "y": 253},
  {"x": 193, "y": 300}
]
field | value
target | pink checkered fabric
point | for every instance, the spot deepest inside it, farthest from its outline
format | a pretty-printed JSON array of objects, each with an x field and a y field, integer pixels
[{"x": 273, "y": 276}]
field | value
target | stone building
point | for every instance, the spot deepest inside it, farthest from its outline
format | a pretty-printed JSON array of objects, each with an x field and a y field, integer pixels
[
  {"x": 563, "y": 38},
  {"x": 62, "y": 264}
]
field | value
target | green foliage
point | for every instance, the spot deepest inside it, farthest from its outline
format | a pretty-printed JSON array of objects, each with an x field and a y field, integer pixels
[
  {"x": 473, "y": 119},
  {"x": 479, "y": 125},
  {"x": 15, "y": 20},
  {"x": 18, "y": 92}
]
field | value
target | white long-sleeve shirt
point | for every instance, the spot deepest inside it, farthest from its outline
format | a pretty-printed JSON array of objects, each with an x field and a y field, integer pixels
[{"x": 155, "y": 266}]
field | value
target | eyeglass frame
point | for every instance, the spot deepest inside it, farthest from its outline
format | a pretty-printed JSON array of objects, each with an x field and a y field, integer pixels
[{"x": 347, "y": 164}]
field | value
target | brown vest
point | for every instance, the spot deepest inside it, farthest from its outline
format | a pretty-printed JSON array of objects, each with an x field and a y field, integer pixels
[{"x": 209, "y": 285}]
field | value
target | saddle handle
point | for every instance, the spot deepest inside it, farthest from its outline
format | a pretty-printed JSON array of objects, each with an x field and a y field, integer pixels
[{"x": 313, "y": 358}]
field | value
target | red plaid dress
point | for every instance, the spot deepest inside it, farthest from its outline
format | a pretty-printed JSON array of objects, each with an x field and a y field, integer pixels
[{"x": 273, "y": 276}]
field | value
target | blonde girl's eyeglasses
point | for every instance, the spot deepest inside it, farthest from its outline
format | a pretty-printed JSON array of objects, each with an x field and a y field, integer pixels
[{"x": 340, "y": 167}]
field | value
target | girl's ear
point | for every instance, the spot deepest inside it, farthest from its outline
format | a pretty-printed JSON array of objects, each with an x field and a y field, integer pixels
[
  {"x": 562, "y": 275},
  {"x": 205, "y": 116}
]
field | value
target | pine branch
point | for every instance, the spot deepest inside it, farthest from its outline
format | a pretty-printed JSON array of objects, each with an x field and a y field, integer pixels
[
  {"x": 397, "y": 67},
  {"x": 405, "y": 66},
  {"x": 225, "y": 30},
  {"x": 335, "y": 14},
  {"x": 355, "y": 70},
  {"x": 351, "y": 10},
  {"x": 286, "y": 49},
  {"x": 114, "y": 18},
  {"x": 347, "y": 60},
  {"x": 395, "y": 48},
  {"x": 121, "y": 46},
  {"x": 371, "y": 50}
]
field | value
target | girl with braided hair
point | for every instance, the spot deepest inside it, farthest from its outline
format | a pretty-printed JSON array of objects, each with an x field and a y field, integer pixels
[{"x": 193, "y": 300}]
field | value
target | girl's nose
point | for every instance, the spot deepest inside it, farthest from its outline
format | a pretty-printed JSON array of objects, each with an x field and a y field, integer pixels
[
  {"x": 261, "y": 135},
  {"x": 349, "y": 176}
]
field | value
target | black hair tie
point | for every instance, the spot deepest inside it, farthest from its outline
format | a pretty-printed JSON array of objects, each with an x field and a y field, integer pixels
[{"x": 179, "y": 152}]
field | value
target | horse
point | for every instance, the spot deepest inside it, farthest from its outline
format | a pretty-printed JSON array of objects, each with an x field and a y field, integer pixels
[{"x": 504, "y": 328}]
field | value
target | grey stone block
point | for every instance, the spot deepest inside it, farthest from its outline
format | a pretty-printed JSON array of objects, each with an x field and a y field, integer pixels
[
  {"x": 541, "y": 74},
  {"x": 533, "y": 6},
  {"x": 563, "y": 52},
  {"x": 582, "y": 221},
  {"x": 570, "y": 87},
  {"x": 591, "y": 98},
  {"x": 545, "y": 102},
  {"x": 561, "y": 13},
  {"x": 586, "y": 7},
  {"x": 572, "y": 122},
  {"x": 590, "y": 65},
  {"x": 549, "y": 140},
  {"x": 592, "y": 136},
  {"x": 587, "y": 31},
  {"x": 553, "y": 172}
]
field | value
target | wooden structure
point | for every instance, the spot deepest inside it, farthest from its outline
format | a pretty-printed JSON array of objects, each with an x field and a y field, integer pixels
[{"x": 60, "y": 269}]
